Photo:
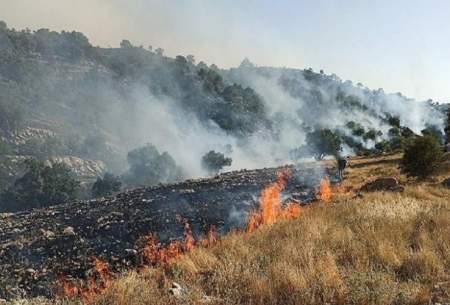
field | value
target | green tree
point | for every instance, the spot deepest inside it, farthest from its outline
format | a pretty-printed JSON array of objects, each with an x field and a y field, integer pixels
[
  {"x": 434, "y": 132},
  {"x": 126, "y": 44},
  {"x": 422, "y": 157},
  {"x": 149, "y": 167},
  {"x": 383, "y": 146},
  {"x": 325, "y": 141},
  {"x": 40, "y": 186},
  {"x": 106, "y": 186},
  {"x": 213, "y": 161},
  {"x": 447, "y": 126}
]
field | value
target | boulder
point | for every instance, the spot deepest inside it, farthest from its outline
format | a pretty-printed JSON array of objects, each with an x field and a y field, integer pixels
[
  {"x": 176, "y": 290},
  {"x": 383, "y": 184},
  {"x": 446, "y": 183}
]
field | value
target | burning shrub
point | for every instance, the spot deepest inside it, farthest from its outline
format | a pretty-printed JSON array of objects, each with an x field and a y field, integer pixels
[
  {"x": 106, "y": 186},
  {"x": 422, "y": 157},
  {"x": 149, "y": 167},
  {"x": 213, "y": 161}
]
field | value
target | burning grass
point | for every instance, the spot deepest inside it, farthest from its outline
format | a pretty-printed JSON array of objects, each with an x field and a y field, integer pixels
[
  {"x": 270, "y": 207},
  {"x": 381, "y": 248}
]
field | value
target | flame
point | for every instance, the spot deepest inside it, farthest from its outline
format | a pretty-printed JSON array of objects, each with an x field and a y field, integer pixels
[
  {"x": 270, "y": 209},
  {"x": 210, "y": 239},
  {"x": 155, "y": 253},
  {"x": 324, "y": 192},
  {"x": 96, "y": 284}
]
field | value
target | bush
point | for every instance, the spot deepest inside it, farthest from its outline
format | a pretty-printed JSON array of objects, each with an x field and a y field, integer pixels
[
  {"x": 149, "y": 167},
  {"x": 40, "y": 186},
  {"x": 106, "y": 186},
  {"x": 325, "y": 141},
  {"x": 213, "y": 161},
  {"x": 422, "y": 157}
]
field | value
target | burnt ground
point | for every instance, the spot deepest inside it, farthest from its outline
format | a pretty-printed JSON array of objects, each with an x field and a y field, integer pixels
[{"x": 39, "y": 246}]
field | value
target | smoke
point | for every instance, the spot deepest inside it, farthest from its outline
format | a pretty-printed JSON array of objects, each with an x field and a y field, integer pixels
[
  {"x": 294, "y": 101},
  {"x": 163, "y": 121}
]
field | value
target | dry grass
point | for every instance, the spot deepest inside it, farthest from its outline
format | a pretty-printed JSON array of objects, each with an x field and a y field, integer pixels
[{"x": 381, "y": 248}]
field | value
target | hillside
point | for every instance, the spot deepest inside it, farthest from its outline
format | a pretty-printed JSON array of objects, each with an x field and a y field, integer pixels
[
  {"x": 63, "y": 99},
  {"x": 377, "y": 247},
  {"x": 60, "y": 240}
]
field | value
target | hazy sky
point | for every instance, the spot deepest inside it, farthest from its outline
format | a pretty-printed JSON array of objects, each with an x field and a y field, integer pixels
[{"x": 398, "y": 45}]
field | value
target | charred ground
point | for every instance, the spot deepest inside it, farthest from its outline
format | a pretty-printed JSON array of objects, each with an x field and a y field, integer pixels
[{"x": 40, "y": 246}]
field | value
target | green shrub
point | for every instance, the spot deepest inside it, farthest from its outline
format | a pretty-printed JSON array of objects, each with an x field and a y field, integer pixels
[
  {"x": 213, "y": 161},
  {"x": 106, "y": 186},
  {"x": 422, "y": 157},
  {"x": 41, "y": 185}
]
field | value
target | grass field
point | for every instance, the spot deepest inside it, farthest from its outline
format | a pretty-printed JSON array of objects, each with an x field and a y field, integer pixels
[{"x": 369, "y": 248}]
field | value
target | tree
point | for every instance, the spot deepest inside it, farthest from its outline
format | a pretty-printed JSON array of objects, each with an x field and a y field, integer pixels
[
  {"x": 106, "y": 186},
  {"x": 4, "y": 147},
  {"x": 383, "y": 146},
  {"x": 434, "y": 132},
  {"x": 447, "y": 126},
  {"x": 325, "y": 142},
  {"x": 40, "y": 186},
  {"x": 213, "y": 161},
  {"x": 126, "y": 44},
  {"x": 149, "y": 167},
  {"x": 422, "y": 157}
]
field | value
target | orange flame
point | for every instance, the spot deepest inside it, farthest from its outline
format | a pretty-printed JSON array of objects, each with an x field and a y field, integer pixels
[
  {"x": 97, "y": 283},
  {"x": 155, "y": 253},
  {"x": 270, "y": 209},
  {"x": 324, "y": 193},
  {"x": 210, "y": 239}
]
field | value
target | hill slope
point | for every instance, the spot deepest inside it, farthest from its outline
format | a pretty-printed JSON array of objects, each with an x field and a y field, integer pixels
[
  {"x": 61, "y": 96},
  {"x": 360, "y": 248}
]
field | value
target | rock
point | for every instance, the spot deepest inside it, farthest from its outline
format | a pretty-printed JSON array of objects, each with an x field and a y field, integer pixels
[
  {"x": 176, "y": 290},
  {"x": 446, "y": 183},
  {"x": 383, "y": 184},
  {"x": 131, "y": 252},
  {"x": 48, "y": 234},
  {"x": 69, "y": 231}
]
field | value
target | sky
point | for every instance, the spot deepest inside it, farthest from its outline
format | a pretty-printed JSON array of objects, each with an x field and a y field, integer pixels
[{"x": 400, "y": 46}]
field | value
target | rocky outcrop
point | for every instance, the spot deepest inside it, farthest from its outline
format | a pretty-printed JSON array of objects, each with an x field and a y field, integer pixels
[
  {"x": 82, "y": 168},
  {"x": 85, "y": 170}
]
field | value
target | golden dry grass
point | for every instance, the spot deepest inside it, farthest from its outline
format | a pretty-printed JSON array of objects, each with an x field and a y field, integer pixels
[{"x": 374, "y": 248}]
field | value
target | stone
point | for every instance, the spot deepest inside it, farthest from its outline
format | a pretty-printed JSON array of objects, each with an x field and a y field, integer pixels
[
  {"x": 383, "y": 184},
  {"x": 176, "y": 290},
  {"x": 48, "y": 234},
  {"x": 446, "y": 183},
  {"x": 69, "y": 231}
]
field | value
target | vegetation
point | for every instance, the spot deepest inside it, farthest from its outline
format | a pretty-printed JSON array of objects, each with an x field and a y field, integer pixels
[
  {"x": 106, "y": 186},
  {"x": 447, "y": 126},
  {"x": 149, "y": 167},
  {"x": 213, "y": 161},
  {"x": 422, "y": 157},
  {"x": 41, "y": 185},
  {"x": 383, "y": 248},
  {"x": 325, "y": 141}
]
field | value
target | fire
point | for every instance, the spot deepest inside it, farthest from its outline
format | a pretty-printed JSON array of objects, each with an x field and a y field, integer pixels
[
  {"x": 270, "y": 208},
  {"x": 324, "y": 192},
  {"x": 97, "y": 283},
  {"x": 155, "y": 253},
  {"x": 210, "y": 239}
]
